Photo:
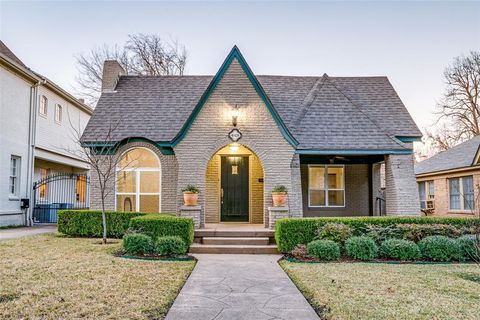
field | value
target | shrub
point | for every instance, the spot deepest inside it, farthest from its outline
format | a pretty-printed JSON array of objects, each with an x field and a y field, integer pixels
[
  {"x": 191, "y": 188},
  {"x": 469, "y": 247},
  {"x": 299, "y": 252},
  {"x": 399, "y": 249},
  {"x": 88, "y": 223},
  {"x": 439, "y": 248},
  {"x": 137, "y": 243},
  {"x": 337, "y": 232},
  {"x": 361, "y": 248},
  {"x": 157, "y": 226},
  {"x": 324, "y": 250},
  {"x": 170, "y": 246},
  {"x": 293, "y": 231},
  {"x": 413, "y": 231}
]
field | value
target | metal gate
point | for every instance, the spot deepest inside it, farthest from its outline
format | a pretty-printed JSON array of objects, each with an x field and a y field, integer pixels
[{"x": 59, "y": 191}]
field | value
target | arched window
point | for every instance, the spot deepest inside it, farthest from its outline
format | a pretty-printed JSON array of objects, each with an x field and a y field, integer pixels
[
  {"x": 138, "y": 181},
  {"x": 43, "y": 105}
]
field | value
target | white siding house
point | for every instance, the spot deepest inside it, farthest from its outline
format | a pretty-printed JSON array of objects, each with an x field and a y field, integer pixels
[{"x": 38, "y": 124}]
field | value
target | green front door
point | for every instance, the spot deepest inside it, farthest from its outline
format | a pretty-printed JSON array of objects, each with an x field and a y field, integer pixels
[{"x": 234, "y": 188}]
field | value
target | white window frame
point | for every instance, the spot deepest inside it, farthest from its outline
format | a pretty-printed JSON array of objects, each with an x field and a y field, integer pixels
[
  {"x": 16, "y": 177},
  {"x": 59, "y": 112},
  {"x": 462, "y": 195},
  {"x": 44, "y": 101},
  {"x": 428, "y": 195},
  {"x": 326, "y": 189},
  {"x": 137, "y": 172}
]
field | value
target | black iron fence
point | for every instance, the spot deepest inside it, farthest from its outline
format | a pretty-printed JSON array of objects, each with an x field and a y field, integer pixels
[{"x": 59, "y": 191}]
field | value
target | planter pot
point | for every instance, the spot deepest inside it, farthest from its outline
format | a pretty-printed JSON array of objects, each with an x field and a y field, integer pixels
[
  {"x": 279, "y": 199},
  {"x": 190, "y": 198}
]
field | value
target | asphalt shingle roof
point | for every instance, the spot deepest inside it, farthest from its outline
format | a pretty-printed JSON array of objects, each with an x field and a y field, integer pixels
[
  {"x": 321, "y": 112},
  {"x": 460, "y": 156}
]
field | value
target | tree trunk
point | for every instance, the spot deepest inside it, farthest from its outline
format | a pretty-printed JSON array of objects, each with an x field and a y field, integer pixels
[{"x": 104, "y": 222}]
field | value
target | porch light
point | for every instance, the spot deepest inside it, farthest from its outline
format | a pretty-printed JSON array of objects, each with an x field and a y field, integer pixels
[
  {"x": 234, "y": 114},
  {"x": 234, "y": 147}
]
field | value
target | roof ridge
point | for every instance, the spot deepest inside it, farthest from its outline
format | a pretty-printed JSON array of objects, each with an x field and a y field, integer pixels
[{"x": 309, "y": 98}]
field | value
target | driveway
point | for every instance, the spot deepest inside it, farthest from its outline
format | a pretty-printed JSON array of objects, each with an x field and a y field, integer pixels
[
  {"x": 225, "y": 286},
  {"x": 26, "y": 231}
]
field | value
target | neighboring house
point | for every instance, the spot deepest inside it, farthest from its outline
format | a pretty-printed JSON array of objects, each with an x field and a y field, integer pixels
[
  {"x": 448, "y": 182},
  {"x": 236, "y": 136},
  {"x": 37, "y": 136}
]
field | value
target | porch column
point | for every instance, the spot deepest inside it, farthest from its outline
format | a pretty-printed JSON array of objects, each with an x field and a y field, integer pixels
[
  {"x": 295, "y": 194},
  {"x": 401, "y": 191}
]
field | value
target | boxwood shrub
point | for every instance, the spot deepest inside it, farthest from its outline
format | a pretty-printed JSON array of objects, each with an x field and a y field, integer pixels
[
  {"x": 440, "y": 248},
  {"x": 400, "y": 249},
  {"x": 337, "y": 232},
  {"x": 361, "y": 248},
  {"x": 469, "y": 247},
  {"x": 170, "y": 246},
  {"x": 293, "y": 231},
  {"x": 137, "y": 243},
  {"x": 88, "y": 223},
  {"x": 324, "y": 250},
  {"x": 156, "y": 226}
]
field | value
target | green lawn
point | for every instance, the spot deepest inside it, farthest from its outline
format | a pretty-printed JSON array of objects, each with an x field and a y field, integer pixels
[
  {"x": 50, "y": 277},
  {"x": 389, "y": 291}
]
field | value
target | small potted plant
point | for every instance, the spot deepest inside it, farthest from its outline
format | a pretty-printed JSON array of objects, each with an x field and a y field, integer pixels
[
  {"x": 190, "y": 195},
  {"x": 279, "y": 196}
]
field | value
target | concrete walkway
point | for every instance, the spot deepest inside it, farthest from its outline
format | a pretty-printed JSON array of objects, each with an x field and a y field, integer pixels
[
  {"x": 225, "y": 286},
  {"x": 26, "y": 231}
]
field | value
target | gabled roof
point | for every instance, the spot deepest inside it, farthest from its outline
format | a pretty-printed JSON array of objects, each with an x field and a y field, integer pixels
[
  {"x": 313, "y": 113},
  {"x": 7, "y": 52},
  {"x": 461, "y": 156}
]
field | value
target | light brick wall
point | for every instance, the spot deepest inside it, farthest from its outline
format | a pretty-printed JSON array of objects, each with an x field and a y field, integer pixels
[
  {"x": 209, "y": 133},
  {"x": 401, "y": 191},
  {"x": 169, "y": 171}
]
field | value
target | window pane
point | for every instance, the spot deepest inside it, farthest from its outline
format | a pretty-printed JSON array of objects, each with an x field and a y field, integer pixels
[
  {"x": 336, "y": 198},
  {"x": 317, "y": 197},
  {"x": 454, "y": 190},
  {"x": 423, "y": 205},
  {"x": 126, "y": 181},
  {"x": 316, "y": 176},
  {"x": 335, "y": 177},
  {"x": 139, "y": 158},
  {"x": 468, "y": 193},
  {"x": 421, "y": 190},
  {"x": 126, "y": 203},
  {"x": 149, "y": 204},
  {"x": 149, "y": 181},
  {"x": 431, "y": 189}
]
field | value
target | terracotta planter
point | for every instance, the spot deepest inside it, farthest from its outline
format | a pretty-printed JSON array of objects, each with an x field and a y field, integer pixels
[
  {"x": 279, "y": 199},
  {"x": 190, "y": 198}
]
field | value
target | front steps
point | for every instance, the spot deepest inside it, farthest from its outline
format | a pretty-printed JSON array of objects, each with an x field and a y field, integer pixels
[{"x": 246, "y": 241}]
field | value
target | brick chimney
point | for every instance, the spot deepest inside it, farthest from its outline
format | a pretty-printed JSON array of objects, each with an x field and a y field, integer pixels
[{"x": 112, "y": 70}]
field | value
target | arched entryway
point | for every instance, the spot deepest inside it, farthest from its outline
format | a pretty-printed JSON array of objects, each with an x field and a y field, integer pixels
[{"x": 234, "y": 186}]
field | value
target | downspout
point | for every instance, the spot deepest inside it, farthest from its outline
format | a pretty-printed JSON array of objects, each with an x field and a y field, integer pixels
[{"x": 32, "y": 132}]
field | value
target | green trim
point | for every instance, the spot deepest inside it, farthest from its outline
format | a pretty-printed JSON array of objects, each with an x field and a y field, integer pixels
[
  {"x": 235, "y": 53},
  {"x": 109, "y": 148},
  {"x": 408, "y": 139},
  {"x": 353, "y": 152}
]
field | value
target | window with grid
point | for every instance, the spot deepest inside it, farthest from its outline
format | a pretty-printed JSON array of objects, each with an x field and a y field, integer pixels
[
  {"x": 58, "y": 113},
  {"x": 43, "y": 105},
  {"x": 326, "y": 186},
  {"x": 14, "y": 178},
  {"x": 461, "y": 193},
  {"x": 426, "y": 191}
]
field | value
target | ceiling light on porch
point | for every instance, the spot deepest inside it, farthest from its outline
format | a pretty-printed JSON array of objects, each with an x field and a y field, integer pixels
[
  {"x": 234, "y": 147},
  {"x": 235, "y": 114}
]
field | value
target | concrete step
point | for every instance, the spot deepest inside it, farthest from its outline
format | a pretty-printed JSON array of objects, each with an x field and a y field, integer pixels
[
  {"x": 234, "y": 233},
  {"x": 236, "y": 240},
  {"x": 233, "y": 249}
]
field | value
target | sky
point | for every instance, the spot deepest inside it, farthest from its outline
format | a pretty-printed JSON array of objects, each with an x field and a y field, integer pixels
[{"x": 410, "y": 42}]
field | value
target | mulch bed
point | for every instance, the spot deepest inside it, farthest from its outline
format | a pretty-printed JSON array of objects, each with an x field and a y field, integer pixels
[{"x": 123, "y": 254}]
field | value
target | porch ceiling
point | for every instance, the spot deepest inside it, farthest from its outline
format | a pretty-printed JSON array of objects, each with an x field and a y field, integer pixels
[{"x": 340, "y": 159}]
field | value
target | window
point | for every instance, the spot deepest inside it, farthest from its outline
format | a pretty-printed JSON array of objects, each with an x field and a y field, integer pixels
[
  {"x": 461, "y": 193},
  {"x": 58, "y": 113},
  {"x": 43, "y": 105},
  {"x": 42, "y": 190},
  {"x": 326, "y": 186},
  {"x": 426, "y": 191},
  {"x": 138, "y": 181},
  {"x": 14, "y": 180}
]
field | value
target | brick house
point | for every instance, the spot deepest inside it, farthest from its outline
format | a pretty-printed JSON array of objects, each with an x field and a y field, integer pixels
[
  {"x": 236, "y": 135},
  {"x": 448, "y": 182}
]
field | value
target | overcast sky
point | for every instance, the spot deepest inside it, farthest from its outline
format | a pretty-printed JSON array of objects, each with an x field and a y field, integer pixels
[{"x": 409, "y": 42}]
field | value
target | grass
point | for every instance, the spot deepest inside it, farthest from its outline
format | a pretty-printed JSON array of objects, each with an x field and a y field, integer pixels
[
  {"x": 389, "y": 291},
  {"x": 51, "y": 277}
]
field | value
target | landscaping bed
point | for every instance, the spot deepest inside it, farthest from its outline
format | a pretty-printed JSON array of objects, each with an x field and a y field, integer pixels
[{"x": 51, "y": 277}]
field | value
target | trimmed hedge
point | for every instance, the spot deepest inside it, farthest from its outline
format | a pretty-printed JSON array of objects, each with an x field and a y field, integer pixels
[
  {"x": 399, "y": 249},
  {"x": 338, "y": 232},
  {"x": 469, "y": 247},
  {"x": 440, "y": 248},
  {"x": 137, "y": 243},
  {"x": 170, "y": 246},
  {"x": 88, "y": 223},
  {"x": 156, "y": 226},
  {"x": 361, "y": 248},
  {"x": 327, "y": 250},
  {"x": 293, "y": 231}
]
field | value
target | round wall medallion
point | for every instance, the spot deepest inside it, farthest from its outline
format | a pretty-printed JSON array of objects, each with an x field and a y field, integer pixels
[{"x": 235, "y": 135}]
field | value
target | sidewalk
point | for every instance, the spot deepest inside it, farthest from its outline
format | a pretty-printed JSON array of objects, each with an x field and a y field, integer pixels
[
  {"x": 26, "y": 231},
  {"x": 227, "y": 286}
]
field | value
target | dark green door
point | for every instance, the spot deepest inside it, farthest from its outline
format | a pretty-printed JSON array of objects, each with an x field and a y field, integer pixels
[{"x": 234, "y": 192}]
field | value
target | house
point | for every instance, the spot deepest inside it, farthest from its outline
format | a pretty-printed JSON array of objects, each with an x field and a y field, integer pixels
[
  {"x": 237, "y": 135},
  {"x": 448, "y": 182},
  {"x": 36, "y": 137}
]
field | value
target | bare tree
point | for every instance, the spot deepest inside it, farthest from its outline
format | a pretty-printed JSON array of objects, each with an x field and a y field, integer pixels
[
  {"x": 459, "y": 109},
  {"x": 143, "y": 54}
]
